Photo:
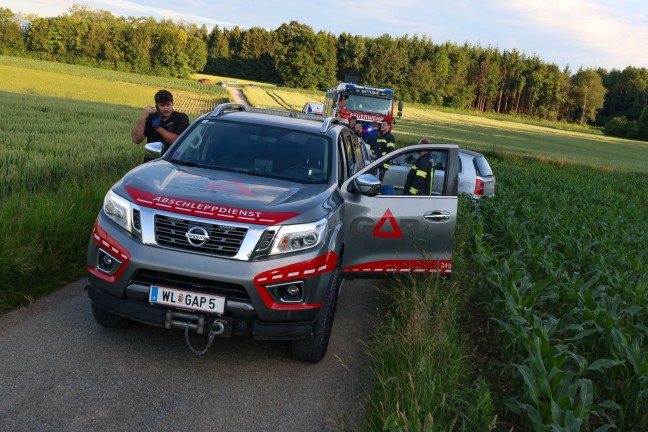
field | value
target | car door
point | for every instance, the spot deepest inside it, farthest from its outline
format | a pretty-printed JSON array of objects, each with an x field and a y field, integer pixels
[{"x": 387, "y": 232}]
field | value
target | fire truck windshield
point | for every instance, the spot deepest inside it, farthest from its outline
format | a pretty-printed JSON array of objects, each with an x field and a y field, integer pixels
[{"x": 368, "y": 104}]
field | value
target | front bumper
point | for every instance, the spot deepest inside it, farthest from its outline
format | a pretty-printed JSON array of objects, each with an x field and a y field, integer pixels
[
  {"x": 163, "y": 317},
  {"x": 242, "y": 283}
]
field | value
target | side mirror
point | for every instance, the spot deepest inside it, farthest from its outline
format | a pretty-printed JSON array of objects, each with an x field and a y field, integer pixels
[
  {"x": 400, "y": 108},
  {"x": 153, "y": 150},
  {"x": 365, "y": 184}
]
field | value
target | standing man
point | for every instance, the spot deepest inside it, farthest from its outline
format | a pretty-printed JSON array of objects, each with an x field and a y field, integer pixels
[
  {"x": 373, "y": 133},
  {"x": 359, "y": 132},
  {"x": 353, "y": 120},
  {"x": 421, "y": 176},
  {"x": 160, "y": 123},
  {"x": 386, "y": 143}
]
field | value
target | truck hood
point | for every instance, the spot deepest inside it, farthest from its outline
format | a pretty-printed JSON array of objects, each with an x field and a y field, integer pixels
[{"x": 224, "y": 195}]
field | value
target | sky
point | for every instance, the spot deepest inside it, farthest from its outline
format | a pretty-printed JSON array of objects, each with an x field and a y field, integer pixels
[{"x": 611, "y": 34}]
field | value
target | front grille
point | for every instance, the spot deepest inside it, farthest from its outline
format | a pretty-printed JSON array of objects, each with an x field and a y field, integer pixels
[
  {"x": 189, "y": 283},
  {"x": 223, "y": 240}
]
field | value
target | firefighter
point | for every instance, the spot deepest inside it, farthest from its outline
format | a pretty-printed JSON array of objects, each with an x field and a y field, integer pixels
[
  {"x": 386, "y": 143},
  {"x": 372, "y": 136},
  {"x": 421, "y": 175}
]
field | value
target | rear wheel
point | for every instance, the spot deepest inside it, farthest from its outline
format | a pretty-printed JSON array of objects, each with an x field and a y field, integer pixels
[
  {"x": 313, "y": 347},
  {"x": 109, "y": 319}
]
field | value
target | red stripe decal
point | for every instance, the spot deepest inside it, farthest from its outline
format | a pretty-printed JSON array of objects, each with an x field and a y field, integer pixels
[
  {"x": 316, "y": 266},
  {"x": 110, "y": 245},
  {"x": 403, "y": 266},
  {"x": 206, "y": 209}
]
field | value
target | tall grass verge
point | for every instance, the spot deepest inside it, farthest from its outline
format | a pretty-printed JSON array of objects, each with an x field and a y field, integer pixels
[
  {"x": 423, "y": 372},
  {"x": 58, "y": 157}
]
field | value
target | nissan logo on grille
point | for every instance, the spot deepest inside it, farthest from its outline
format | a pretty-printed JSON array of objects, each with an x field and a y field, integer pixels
[{"x": 197, "y": 236}]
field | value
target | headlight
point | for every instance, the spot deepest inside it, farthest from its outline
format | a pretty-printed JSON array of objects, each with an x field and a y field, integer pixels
[
  {"x": 118, "y": 209},
  {"x": 293, "y": 238}
]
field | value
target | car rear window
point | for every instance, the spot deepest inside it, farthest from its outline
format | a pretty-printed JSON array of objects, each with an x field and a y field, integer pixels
[{"x": 482, "y": 167}]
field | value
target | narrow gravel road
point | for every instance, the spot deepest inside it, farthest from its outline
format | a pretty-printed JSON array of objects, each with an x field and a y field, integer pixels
[
  {"x": 60, "y": 371},
  {"x": 237, "y": 96}
]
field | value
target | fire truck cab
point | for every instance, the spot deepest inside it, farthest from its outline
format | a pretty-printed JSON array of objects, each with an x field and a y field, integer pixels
[{"x": 367, "y": 104}]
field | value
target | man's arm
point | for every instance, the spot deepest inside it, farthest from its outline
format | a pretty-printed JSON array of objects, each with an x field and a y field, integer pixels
[
  {"x": 181, "y": 123},
  {"x": 137, "y": 134}
]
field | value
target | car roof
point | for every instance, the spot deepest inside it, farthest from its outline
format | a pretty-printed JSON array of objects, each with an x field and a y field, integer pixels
[
  {"x": 284, "y": 119},
  {"x": 471, "y": 153}
]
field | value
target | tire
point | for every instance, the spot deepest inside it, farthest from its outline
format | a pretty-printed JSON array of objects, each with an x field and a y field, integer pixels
[
  {"x": 109, "y": 319},
  {"x": 313, "y": 347}
]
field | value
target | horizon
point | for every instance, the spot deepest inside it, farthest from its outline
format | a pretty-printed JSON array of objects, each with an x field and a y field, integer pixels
[{"x": 577, "y": 33}]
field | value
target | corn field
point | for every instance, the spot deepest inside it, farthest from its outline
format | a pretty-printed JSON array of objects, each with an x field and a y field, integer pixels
[{"x": 563, "y": 264}]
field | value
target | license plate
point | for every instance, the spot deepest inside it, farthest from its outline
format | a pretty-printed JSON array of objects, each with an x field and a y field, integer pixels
[{"x": 187, "y": 300}]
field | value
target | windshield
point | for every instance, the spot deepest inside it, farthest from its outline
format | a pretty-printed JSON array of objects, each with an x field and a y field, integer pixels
[
  {"x": 368, "y": 104},
  {"x": 256, "y": 150}
]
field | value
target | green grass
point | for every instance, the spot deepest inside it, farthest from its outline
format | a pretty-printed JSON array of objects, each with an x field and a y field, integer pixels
[
  {"x": 424, "y": 376},
  {"x": 58, "y": 158},
  {"x": 110, "y": 75},
  {"x": 488, "y": 135}
]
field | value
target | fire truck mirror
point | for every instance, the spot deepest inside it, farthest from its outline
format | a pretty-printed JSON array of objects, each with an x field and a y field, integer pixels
[{"x": 400, "y": 108}]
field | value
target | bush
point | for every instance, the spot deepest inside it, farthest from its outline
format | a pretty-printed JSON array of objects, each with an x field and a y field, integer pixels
[{"x": 621, "y": 127}]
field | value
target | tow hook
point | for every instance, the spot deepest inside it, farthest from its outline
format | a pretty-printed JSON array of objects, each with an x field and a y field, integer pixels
[
  {"x": 217, "y": 328},
  {"x": 187, "y": 321}
]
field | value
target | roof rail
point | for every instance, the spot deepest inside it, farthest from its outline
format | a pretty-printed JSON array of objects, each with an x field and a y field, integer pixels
[
  {"x": 332, "y": 121},
  {"x": 220, "y": 109}
]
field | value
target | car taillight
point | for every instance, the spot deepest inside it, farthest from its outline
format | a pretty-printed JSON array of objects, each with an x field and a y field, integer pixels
[{"x": 479, "y": 187}]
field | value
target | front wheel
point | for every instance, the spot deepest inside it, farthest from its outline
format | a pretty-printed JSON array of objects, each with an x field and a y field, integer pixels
[
  {"x": 109, "y": 319},
  {"x": 313, "y": 347}
]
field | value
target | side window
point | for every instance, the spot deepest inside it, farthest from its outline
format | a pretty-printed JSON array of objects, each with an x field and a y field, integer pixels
[
  {"x": 416, "y": 173},
  {"x": 350, "y": 156},
  {"x": 360, "y": 157},
  {"x": 342, "y": 162}
]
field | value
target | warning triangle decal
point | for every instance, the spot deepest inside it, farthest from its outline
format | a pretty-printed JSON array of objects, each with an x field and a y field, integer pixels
[
  {"x": 229, "y": 186},
  {"x": 395, "y": 231}
]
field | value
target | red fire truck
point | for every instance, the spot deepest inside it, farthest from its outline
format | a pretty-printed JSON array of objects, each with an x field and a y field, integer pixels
[{"x": 367, "y": 104}]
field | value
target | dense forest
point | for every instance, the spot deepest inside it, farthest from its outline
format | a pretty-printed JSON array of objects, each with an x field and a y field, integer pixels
[{"x": 464, "y": 76}]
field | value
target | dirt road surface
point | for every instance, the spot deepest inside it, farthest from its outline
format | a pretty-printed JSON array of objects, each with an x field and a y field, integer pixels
[
  {"x": 237, "y": 96},
  {"x": 60, "y": 371}
]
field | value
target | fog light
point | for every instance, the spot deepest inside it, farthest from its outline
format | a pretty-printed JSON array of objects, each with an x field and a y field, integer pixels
[
  {"x": 289, "y": 292},
  {"x": 107, "y": 263},
  {"x": 293, "y": 290}
]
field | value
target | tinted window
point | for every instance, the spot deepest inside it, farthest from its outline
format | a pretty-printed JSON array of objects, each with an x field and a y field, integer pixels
[
  {"x": 482, "y": 167},
  {"x": 258, "y": 150}
]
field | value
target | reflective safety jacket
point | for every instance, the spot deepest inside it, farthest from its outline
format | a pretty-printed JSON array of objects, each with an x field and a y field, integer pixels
[
  {"x": 385, "y": 144},
  {"x": 420, "y": 177}
]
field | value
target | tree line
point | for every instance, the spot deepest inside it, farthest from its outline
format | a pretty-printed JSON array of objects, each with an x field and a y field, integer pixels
[{"x": 484, "y": 79}]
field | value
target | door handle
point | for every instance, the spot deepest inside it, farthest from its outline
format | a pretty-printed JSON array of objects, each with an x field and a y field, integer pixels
[{"x": 437, "y": 216}]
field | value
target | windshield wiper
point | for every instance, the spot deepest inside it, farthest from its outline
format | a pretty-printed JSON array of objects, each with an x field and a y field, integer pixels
[{"x": 185, "y": 163}]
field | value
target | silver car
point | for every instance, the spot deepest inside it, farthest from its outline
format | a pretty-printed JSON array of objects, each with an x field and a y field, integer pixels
[{"x": 475, "y": 175}]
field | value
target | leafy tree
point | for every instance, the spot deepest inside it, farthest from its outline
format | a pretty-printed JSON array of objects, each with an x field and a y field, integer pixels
[
  {"x": 386, "y": 63},
  {"x": 351, "y": 54},
  {"x": 589, "y": 93},
  {"x": 12, "y": 40},
  {"x": 197, "y": 53},
  {"x": 302, "y": 57}
]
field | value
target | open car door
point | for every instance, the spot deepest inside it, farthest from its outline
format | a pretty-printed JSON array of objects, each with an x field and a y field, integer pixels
[{"x": 387, "y": 230}]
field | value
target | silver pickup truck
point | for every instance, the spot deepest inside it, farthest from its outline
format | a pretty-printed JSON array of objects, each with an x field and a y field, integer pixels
[{"x": 249, "y": 224}]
